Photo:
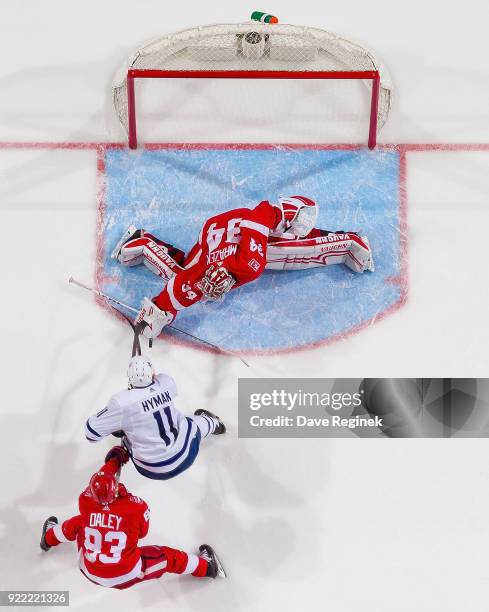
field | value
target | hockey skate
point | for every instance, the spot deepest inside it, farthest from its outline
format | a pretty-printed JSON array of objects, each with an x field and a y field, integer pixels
[
  {"x": 130, "y": 233},
  {"x": 214, "y": 567},
  {"x": 48, "y": 523},
  {"x": 220, "y": 429}
]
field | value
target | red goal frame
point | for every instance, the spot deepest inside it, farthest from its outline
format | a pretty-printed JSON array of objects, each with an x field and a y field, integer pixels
[{"x": 133, "y": 74}]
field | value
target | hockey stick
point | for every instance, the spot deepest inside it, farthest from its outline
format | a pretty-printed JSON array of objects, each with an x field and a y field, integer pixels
[
  {"x": 136, "y": 344},
  {"x": 178, "y": 329},
  {"x": 102, "y": 295}
]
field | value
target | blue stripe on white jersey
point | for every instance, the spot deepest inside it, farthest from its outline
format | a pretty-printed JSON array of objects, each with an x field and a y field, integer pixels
[
  {"x": 177, "y": 455},
  {"x": 90, "y": 433},
  {"x": 187, "y": 461}
]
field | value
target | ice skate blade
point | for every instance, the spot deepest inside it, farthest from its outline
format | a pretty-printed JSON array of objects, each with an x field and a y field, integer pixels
[{"x": 221, "y": 573}]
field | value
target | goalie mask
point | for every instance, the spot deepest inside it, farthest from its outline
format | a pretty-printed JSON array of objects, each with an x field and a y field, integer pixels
[
  {"x": 299, "y": 215},
  {"x": 216, "y": 282}
]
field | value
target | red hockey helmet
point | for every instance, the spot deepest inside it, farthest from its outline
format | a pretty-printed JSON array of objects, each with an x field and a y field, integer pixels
[
  {"x": 103, "y": 487},
  {"x": 299, "y": 214}
]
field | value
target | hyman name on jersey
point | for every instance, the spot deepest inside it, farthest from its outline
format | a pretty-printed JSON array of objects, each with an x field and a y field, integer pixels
[{"x": 154, "y": 402}]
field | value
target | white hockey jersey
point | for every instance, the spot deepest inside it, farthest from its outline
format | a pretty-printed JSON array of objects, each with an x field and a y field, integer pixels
[{"x": 159, "y": 435}]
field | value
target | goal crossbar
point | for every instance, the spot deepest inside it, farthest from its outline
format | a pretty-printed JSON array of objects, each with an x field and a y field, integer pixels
[{"x": 133, "y": 74}]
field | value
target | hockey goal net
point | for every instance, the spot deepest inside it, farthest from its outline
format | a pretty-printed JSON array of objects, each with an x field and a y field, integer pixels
[{"x": 256, "y": 51}]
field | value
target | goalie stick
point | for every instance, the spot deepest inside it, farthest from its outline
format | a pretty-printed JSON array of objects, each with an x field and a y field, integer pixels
[{"x": 132, "y": 309}]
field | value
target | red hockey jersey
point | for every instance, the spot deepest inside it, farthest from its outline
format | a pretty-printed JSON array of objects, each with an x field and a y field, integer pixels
[
  {"x": 107, "y": 536},
  {"x": 237, "y": 239}
]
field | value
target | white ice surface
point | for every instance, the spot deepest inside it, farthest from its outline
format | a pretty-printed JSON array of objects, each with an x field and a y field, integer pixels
[{"x": 349, "y": 525}]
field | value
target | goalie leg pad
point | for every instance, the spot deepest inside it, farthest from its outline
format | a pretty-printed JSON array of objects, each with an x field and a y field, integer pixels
[
  {"x": 131, "y": 232},
  {"x": 157, "y": 259},
  {"x": 153, "y": 254},
  {"x": 332, "y": 248},
  {"x": 361, "y": 258},
  {"x": 131, "y": 253}
]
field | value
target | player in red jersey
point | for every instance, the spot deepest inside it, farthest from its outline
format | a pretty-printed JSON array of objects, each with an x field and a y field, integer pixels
[
  {"x": 235, "y": 248},
  {"x": 107, "y": 530}
]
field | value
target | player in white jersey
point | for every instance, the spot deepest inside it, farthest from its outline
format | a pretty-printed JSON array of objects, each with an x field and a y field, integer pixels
[{"x": 162, "y": 441}]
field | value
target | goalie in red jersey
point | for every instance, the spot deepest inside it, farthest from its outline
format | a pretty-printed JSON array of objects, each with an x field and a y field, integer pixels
[
  {"x": 235, "y": 248},
  {"x": 107, "y": 530}
]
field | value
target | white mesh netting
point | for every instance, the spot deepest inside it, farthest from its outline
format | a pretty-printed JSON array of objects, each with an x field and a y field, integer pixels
[{"x": 252, "y": 46}]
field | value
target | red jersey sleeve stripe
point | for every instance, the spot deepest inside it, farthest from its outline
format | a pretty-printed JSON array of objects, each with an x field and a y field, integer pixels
[{"x": 257, "y": 227}]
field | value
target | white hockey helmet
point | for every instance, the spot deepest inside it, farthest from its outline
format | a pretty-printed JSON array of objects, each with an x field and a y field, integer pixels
[
  {"x": 140, "y": 371},
  {"x": 299, "y": 215}
]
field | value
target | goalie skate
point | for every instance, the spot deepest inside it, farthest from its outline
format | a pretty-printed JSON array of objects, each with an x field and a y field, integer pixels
[
  {"x": 215, "y": 569},
  {"x": 128, "y": 234}
]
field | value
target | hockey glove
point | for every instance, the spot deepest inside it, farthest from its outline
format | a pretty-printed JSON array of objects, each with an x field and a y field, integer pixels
[
  {"x": 151, "y": 319},
  {"x": 118, "y": 453}
]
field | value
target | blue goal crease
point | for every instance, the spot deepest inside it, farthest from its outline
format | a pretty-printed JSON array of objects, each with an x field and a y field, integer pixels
[{"x": 171, "y": 192}]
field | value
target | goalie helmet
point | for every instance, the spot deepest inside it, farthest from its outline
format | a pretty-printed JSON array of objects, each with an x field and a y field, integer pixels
[
  {"x": 299, "y": 215},
  {"x": 216, "y": 282},
  {"x": 103, "y": 487},
  {"x": 140, "y": 371}
]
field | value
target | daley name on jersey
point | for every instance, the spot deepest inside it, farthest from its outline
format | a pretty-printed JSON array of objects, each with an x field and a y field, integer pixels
[{"x": 108, "y": 521}]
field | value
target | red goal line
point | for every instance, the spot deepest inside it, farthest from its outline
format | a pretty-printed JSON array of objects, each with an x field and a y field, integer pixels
[{"x": 102, "y": 146}]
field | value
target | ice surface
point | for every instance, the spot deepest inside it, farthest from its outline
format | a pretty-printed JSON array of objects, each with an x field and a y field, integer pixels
[{"x": 171, "y": 193}]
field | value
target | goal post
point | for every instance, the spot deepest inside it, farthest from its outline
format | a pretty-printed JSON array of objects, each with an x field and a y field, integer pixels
[
  {"x": 252, "y": 51},
  {"x": 133, "y": 74}
]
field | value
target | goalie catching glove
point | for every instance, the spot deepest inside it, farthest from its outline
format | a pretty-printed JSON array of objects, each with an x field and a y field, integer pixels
[{"x": 151, "y": 319}]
